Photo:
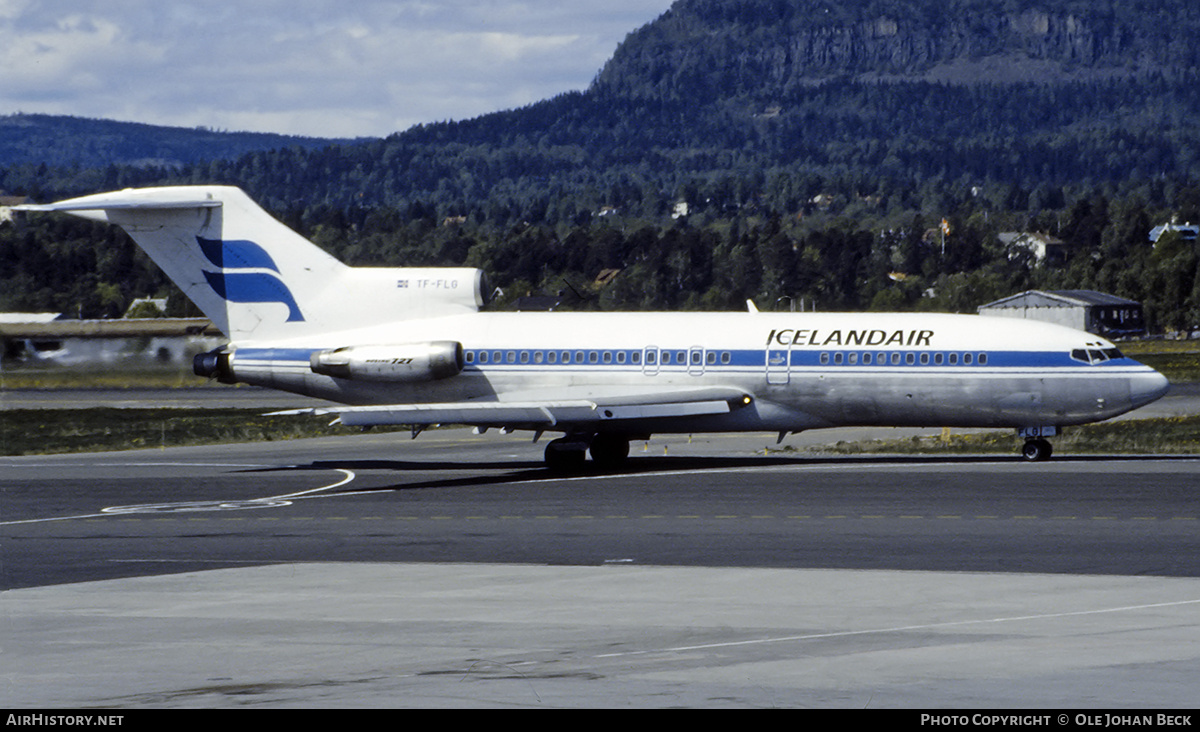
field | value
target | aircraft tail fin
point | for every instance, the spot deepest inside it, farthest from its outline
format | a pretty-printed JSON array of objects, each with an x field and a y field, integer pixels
[{"x": 256, "y": 278}]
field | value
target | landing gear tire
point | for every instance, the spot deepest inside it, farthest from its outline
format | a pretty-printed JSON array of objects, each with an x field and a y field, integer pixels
[
  {"x": 609, "y": 450},
  {"x": 565, "y": 455},
  {"x": 1035, "y": 451}
]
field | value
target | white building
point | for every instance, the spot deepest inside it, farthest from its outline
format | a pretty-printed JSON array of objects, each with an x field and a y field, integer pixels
[{"x": 1095, "y": 312}]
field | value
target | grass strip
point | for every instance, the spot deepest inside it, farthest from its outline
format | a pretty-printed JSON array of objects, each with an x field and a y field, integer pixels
[
  {"x": 1159, "y": 436},
  {"x": 54, "y": 431}
]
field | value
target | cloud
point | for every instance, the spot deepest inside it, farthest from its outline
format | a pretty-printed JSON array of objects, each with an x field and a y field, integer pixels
[{"x": 315, "y": 67}]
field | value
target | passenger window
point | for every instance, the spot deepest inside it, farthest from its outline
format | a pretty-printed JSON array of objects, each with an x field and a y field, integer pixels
[
  {"x": 924, "y": 359},
  {"x": 895, "y": 359},
  {"x": 853, "y": 358},
  {"x": 938, "y": 358},
  {"x": 838, "y": 358},
  {"x": 726, "y": 357},
  {"x": 983, "y": 359},
  {"x": 910, "y": 358},
  {"x": 953, "y": 359},
  {"x": 966, "y": 359},
  {"x": 470, "y": 357},
  {"x": 824, "y": 359},
  {"x": 867, "y": 359},
  {"x": 636, "y": 357},
  {"x": 710, "y": 358}
]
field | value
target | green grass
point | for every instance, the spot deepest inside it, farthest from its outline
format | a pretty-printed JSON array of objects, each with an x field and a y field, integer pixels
[
  {"x": 1162, "y": 436},
  {"x": 49, "y": 431},
  {"x": 1179, "y": 361},
  {"x": 52, "y": 377}
]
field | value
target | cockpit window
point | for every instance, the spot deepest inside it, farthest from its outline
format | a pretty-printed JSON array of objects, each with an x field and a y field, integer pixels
[{"x": 1095, "y": 355}]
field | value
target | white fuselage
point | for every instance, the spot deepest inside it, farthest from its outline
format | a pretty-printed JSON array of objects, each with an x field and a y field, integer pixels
[
  {"x": 804, "y": 370},
  {"x": 409, "y": 346}
]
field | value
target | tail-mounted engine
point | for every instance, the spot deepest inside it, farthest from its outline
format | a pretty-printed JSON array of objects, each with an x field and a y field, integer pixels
[
  {"x": 405, "y": 363},
  {"x": 214, "y": 364}
]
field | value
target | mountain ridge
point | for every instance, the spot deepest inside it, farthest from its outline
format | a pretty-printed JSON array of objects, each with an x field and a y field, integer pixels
[
  {"x": 869, "y": 97},
  {"x": 64, "y": 141},
  {"x": 784, "y": 44}
]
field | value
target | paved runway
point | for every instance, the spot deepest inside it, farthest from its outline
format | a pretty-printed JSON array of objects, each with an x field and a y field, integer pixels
[
  {"x": 454, "y": 571},
  {"x": 524, "y": 636}
]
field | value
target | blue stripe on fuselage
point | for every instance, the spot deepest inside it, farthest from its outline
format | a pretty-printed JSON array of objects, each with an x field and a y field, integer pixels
[{"x": 738, "y": 360}]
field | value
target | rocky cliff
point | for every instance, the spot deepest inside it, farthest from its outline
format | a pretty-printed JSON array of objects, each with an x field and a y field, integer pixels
[{"x": 748, "y": 46}]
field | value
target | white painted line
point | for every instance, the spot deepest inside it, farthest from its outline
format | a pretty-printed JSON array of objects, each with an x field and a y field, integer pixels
[{"x": 901, "y": 629}]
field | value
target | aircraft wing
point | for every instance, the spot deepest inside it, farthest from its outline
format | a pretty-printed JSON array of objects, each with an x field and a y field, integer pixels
[{"x": 543, "y": 413}]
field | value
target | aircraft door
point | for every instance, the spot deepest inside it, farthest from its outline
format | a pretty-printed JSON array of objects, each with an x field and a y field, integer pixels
[
  {"x": 650, "y": 359},
  {"x": 696, "y": 360},
  {"x": 778, "y": 361}
]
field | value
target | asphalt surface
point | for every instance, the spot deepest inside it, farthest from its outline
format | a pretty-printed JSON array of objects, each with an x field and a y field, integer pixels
[
  {"x": 454, "y": 571},
  {"x": 714, "y": 502}
]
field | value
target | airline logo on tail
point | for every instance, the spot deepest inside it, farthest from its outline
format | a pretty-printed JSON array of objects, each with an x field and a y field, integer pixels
[{"x": 256, "y": 286}]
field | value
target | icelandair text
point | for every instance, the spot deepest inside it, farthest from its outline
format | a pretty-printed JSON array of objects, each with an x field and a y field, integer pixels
[{"x": 817, "y": 337}]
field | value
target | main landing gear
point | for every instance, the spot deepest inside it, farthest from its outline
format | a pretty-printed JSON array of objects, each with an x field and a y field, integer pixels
[{"x": 570, "y": 452}]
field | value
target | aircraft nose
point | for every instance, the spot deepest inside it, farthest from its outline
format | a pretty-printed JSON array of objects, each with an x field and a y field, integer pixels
[{"x": 1145, "y": 388}]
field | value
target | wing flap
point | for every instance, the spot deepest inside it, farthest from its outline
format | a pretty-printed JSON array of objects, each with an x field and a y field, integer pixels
[{"x": 540, "y": 414}]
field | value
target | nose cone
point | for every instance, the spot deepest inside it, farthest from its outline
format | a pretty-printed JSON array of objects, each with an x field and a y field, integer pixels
[{"x": 1147, "y": 387}]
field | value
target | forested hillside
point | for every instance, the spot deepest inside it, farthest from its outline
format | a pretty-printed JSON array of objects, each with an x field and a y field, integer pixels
[
  {"x": 818, "y": 147},
  {"x": 76, "y": 142}
]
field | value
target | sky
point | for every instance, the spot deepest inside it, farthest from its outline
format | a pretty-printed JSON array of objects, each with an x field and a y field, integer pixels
[{"x": 322, "y": 68}]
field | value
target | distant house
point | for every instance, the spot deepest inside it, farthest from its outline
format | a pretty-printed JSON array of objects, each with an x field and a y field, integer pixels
[
  {"x": 1045, "y": 249},
  {"x": 1095, "y": 312},
  {"x": 1187, "y": 231}
]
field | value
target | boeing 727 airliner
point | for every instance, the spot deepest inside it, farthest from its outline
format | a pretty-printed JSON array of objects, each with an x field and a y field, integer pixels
[{"x": 411, "y": 346}]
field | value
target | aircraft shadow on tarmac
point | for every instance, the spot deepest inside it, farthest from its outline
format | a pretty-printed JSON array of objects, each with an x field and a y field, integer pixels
[{"x": 523, "y": 471}]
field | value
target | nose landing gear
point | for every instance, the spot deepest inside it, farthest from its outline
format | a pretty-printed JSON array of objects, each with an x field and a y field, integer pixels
[{"x": 1037, "y": 450}]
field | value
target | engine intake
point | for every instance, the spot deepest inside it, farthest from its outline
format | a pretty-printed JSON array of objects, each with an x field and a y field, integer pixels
[{"x": 404, "y": 363}]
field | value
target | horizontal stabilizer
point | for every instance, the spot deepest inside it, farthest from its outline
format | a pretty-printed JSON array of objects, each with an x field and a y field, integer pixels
[{"x": 126, "y": 201}]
